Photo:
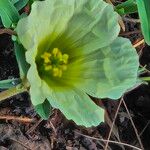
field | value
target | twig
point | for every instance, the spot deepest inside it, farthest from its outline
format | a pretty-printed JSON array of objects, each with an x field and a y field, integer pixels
[
  {"x": 131, "y": 20},
  {"x": 19, "y": 119},
  {"x": 121, "y": 23},
  {"x": 54, "y": 129},
  {"x": 142, "y": 131},
  {"x": 136, "y": 132},
  {"x": 148, "y": 123},
  {"x": 111, "y": 129},
  {"x": 115, "y": 129},
  {"x": 7, "y": 31},
  {"x": 139, "y": 43},
  {"x": 148, "y": 71},
  {"x": 109, "y": 141},
  {"x": 21, "y": 143},
  {"x": 34, "y": 126},
  {"x": 132, "y": 32}
]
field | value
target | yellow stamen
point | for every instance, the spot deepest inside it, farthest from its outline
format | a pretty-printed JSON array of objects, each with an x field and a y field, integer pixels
[
  {"x": 56, "y": 62},
  {"x": 48, "y": 67},
  {"x": 55, "y": 51},
  {"x": 57, "y": 72},
  {"x": 65, "y": 58},
  {"x": 46, "y": 56},
  {"x": 59, "y": 55}
]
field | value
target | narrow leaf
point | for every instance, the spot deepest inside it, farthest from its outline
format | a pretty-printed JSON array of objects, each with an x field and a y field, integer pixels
[
  {"x": 8, "y": 13},
  {"x": 20, "y": 56},
  {"x": 20, "y": 4},
  {"x": 144, "y": 14},
  {"x": 6, "y": 84},
  {"x": 14, "y": 1}
]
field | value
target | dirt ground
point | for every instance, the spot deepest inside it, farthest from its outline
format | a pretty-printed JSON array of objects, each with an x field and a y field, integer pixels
[{"x": 22, "y": 129}]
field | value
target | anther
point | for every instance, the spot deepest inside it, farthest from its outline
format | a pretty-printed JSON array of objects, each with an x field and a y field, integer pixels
[{"x": 55, "y": 62}]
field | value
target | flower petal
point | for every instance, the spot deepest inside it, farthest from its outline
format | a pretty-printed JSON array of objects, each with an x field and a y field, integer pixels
[
  {"x": 38, "y": 89},
  {"x": 77, "y": 106},
  {"x": 120, "y": 67},
  {"x": 94, "y": 27},
  {"x": 105, "y": 73},
  {"x": 113, "y": 72},
  {"x": 48, "y": 18},
  {"x": 68, "y": 24}
]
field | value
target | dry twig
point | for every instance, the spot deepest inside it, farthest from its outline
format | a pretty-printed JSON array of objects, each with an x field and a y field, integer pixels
[
  {"x": 7, "y": 31},
  {"x": 136, "y": 132},
  {"x": 148, "y": 123},
  {"x": 21, "y": 143},
  {"x": 111, "y": 129},
  {"x": 139, "y": 43},
  {"x": 131, "y": 20},
  {"x": 115, "y": 129},
  {"x": 109, "y": 141},
  {"x": 19, "y": 119},
  {"x": 34, "y": 126},
  {"x": 131, "y": 32},
  {"x": 54, "y": 129}
]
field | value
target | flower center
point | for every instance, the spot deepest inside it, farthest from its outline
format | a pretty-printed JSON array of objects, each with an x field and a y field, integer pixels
[{"x": 55, "y": 62}]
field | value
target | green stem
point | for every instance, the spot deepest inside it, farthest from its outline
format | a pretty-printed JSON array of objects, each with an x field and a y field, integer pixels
[
  {"x": 12, "y": 92},
  {"x": 145, "y": 78}
]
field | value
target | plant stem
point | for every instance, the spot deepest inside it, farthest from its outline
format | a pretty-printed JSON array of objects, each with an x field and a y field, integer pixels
[
  {"x": 12, "y": 92},
  {"x": 145, "y": 78}
]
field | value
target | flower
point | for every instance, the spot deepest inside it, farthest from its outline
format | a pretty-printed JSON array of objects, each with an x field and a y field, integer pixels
[{"x": 73, "y": 51}]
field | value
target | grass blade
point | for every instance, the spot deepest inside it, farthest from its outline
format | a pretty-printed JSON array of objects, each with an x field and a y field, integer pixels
[{"x": 144, "y": 14}]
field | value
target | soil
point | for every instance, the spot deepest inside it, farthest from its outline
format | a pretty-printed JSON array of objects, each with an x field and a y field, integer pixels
[{"x": 57, "y": 133}]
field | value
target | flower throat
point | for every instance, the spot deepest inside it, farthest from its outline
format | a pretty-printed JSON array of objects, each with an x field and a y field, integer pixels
[{"x": 55, "y": 62}]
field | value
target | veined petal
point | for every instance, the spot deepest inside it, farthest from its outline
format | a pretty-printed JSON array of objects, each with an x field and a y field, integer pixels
[
  {"x": 48, "y": 18},
  {"x": 77, "y": 106},
  {"x": 94, "y": 27},
  {"x": 69, "y": 24},
  {"x": 36, "y": 93},
  {"x": 120, "y": 67},
  {"x": 39, "y": 90},
  {"x": 114, "y": 71},
  {"x": 107, "y": 72}
]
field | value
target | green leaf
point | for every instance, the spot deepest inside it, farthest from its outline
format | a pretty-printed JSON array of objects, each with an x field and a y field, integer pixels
[
  {"x": 20, "y": 4},
  {"x": 126, "y": 7},
  {"x": 6, "y": 84},
  {"x": 20, "y": 56},
  {"x": 14, "y": 1},
  {"x": 8, "y": 13},
  {"x": 144, "y": 14},
  {"x": 44, "y": 109}
]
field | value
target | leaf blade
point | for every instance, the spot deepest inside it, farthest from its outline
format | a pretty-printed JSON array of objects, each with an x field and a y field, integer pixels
[
  {"x": 6, "y": 84},
  {"x": 144, "y": 14},
  {"x": 20, "y": 56},
  {"x": 126, "y": 7},
  {"x": 8, "y": 13}
]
